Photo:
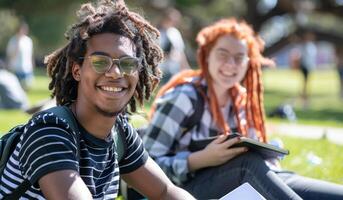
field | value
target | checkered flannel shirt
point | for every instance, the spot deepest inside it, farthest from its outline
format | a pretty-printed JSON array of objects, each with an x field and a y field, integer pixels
[{"x": 165, "y": 139}]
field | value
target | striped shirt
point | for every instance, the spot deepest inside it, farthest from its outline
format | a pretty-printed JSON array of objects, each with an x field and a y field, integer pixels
[
  {"x": 165, "y": 139},
  {"x": 48, "y": 144}
]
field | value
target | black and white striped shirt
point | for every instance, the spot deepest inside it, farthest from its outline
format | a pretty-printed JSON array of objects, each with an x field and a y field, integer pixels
[{"x": 48, "y": 144}]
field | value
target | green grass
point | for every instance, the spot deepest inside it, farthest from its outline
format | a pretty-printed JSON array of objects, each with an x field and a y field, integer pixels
[
  {"x": 325, "y": 108},
  {"x": 281, "y": 86},
  {"x": 39, "y": 92},
  {"x": 301, "y": 150}
]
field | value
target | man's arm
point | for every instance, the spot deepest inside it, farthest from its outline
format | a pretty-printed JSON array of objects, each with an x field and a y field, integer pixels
[
  {"x": 150, "y": 181},
  {"x": 64, "y": 184}
]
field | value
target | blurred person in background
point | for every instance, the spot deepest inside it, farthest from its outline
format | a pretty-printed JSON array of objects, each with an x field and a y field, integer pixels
[
  {"x": 12, "y": 95},
  {"x": 229, "y": 83},
  {"x": 20, "y": 56},
  {"x": 308, "y": 52},
  {"x": 339, "y": 66},
  {"x": 303, "y": 58},
  {"x": 172, "y": 44}
]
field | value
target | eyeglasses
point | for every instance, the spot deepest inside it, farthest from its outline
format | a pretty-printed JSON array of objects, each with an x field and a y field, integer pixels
[
  {"x": 102, "y": 64},
  {"x": 225, "y": 56}
]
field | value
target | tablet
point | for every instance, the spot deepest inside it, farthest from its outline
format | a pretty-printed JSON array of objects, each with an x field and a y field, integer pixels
[{"x": 265, "y": 150}]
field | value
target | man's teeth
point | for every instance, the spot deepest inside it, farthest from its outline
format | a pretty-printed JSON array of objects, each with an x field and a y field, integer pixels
[{"x": 112, "y": 89}]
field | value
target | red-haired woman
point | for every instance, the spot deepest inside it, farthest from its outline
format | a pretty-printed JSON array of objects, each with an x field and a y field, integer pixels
[{"x": 229, "y": 86}]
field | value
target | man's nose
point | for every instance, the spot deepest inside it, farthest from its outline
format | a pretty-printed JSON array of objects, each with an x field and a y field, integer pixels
[{"x": 114, "y": 72}]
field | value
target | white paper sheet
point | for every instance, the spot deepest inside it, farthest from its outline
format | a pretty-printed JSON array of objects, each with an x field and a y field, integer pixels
[{"x": 244, "y": 191}]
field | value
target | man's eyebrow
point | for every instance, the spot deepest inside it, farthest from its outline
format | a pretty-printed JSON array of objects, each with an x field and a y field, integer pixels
[
  {"x": 106, "y": 54},
  {"x": 100, "y": 53}
]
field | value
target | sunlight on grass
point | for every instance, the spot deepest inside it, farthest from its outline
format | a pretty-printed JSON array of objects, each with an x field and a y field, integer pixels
[
  {"x": 284, "y": 86},
  {"x": 40, "y": 90},
  {"x": 11, "y": 118},
  {"x": 302, "y": 158}
]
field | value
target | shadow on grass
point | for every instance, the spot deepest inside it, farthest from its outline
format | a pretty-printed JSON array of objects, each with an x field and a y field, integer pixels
[{"x": 320, "y": 115}]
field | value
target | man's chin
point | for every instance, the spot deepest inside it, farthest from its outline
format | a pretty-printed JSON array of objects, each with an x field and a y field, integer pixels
[{"x": 109, "y": 113}]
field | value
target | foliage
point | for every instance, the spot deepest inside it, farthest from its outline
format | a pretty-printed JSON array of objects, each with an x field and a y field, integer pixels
[
  {"x": 8, "y": 23},
  {"x": 47, "y": 19}
]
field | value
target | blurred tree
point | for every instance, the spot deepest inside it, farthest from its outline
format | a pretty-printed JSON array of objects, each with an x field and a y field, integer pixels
[
  {"x": 281, "y": 20},
  {"x": 8, "y": 23},
  {"x": 276, "y": 20},
  {"x": 47, "y": 20}
]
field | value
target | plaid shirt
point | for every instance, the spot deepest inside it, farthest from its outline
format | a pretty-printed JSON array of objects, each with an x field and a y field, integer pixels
[{"x": 164, "y": 138}]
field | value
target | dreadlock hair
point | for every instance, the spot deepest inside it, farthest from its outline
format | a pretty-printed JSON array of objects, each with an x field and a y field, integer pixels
[
  {"x": 105, "y": 17},
  {"x": 251, "y": 98}
]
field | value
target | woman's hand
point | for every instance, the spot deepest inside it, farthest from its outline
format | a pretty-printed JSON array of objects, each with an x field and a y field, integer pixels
[{"x": 216, "y": 153}]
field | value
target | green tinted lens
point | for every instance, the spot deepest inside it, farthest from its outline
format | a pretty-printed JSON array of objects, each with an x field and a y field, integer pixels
[
  {"x": 128, "y": 65},
  {"x": 100, "y": 63}
]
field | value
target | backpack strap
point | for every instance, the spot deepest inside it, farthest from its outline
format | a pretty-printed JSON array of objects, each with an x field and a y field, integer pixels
[
  {"x": 192, "y": 120},
  {"x": 120, "y": 142},
  {"x": 62, "y": 112},
  {"x": 6, "y": 145},
  {"x": 195, "y": 118},
  {"x": 21, "y": 189},
  {"x": 8, "y": 148}
]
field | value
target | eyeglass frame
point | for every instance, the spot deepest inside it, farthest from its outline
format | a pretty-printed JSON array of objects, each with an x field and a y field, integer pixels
[
  {"x": 245, "y": 57},
  {"x": 115, "y": 61}
]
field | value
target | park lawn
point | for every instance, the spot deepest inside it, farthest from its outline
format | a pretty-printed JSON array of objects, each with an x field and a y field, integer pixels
[
  {"x": 303, "y": 158},
  {"x": 281, "y": 86},
  {"x": 39, "y": 92},
  {"x": 284, "y": 86}
]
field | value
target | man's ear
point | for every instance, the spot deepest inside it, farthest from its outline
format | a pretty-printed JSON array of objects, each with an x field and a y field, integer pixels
[{"x": 76, "y": 71}]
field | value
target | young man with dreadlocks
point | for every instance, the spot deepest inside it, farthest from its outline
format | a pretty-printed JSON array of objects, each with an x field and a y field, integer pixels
[
  {"x": 230, "y": 86},
  {"x": 110, "y": 61}
]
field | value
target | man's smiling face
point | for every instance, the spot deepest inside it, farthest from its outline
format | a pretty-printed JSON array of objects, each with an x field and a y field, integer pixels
[{"x": 109, "y": 92}]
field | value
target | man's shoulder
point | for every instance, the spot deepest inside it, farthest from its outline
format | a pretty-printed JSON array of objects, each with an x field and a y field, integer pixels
[
  {"x": 48, "y": 127},
  {"x": 46, "y": 119}
]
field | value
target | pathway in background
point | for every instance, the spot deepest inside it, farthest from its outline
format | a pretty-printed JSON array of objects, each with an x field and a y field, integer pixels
[{"x": 334, "y": 135}]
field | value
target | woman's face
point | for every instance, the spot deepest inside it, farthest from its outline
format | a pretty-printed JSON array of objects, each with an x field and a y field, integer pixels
[{"x": 228, "y": 61}]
